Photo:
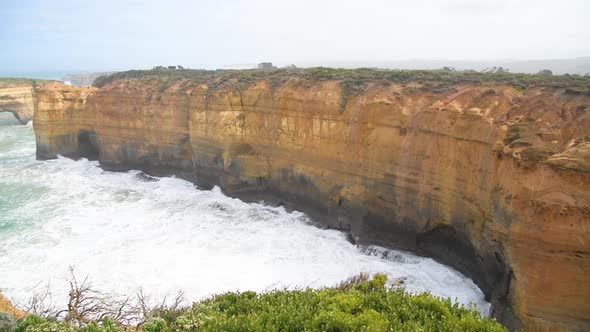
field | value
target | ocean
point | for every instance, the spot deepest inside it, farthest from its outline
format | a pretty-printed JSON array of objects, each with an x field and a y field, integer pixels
[{"x": 128, "y": 232}]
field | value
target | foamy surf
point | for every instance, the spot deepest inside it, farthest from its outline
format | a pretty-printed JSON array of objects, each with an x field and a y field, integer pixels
[{"x": 130, "y": 231}]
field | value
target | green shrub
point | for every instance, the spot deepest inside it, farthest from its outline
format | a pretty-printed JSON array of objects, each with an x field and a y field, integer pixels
[
  {"x": 538, "y": 153},
  {"x": 50, "y": 326},
  {"x": 359, "y": 304},
  {"x": 352, "y": 80},
  {"x": 155, "y": 325},
  {"x": 34, "y": 323},
  {"x": 7, "y": 323},
  {"x": 29, "y": 320},
  {"x": 520, "y": 134}
]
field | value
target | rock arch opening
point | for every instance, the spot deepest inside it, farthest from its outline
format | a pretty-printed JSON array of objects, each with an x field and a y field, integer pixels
[
  {"x": 8, "y": 118},
  {"x": 22, "y": 112}
]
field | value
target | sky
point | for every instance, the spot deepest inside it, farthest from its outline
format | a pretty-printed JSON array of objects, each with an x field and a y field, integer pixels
[{"x": 128, "y": 34}]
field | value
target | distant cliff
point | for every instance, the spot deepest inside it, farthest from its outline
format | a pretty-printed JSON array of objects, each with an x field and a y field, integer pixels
[
  {"x": 83, "y": 79},
  {"x": 487, "y": 173}
]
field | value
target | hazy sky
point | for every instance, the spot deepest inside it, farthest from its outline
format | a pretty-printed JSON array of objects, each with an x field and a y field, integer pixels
[{"x": 119, "y": 34}]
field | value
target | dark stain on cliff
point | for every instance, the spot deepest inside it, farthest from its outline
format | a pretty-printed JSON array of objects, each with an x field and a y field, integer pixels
[{"x": 87, "y": 146}]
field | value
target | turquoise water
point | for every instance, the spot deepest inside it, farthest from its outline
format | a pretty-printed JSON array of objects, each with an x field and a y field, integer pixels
[
  {"x": 165, "y": 235},
  {"x": 15, "y": 158}
]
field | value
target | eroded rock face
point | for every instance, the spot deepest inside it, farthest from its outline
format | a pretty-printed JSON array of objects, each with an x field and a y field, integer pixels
[
  {"x": 19, "y": 99},
  {"x": 488, "y": 179},
  {"x": 61, "y": 111}
]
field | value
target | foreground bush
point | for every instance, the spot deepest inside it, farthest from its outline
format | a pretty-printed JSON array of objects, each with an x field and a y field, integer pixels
[{"x": 360, "y": 304}]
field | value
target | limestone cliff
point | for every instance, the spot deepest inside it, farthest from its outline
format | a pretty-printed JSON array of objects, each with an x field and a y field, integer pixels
[
  {"x": 18, "y": 97},
  {"x": 490, "y": 178}
]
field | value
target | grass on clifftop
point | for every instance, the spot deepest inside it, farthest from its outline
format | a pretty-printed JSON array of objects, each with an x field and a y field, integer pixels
[
  {"x": 354, "y": 80},
  {"x": 20, "y": 80},
  {"x": 359, "y": 304}
]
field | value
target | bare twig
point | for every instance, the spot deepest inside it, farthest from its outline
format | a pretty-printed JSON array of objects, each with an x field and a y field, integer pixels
[
  {"x": 85, "y": 305},
  {"x": 41, "y": 303}
]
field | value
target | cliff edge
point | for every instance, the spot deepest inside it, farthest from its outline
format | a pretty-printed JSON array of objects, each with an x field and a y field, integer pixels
[
  {"x": 487, "y": 173},
  {"x": 6, "y": 306}
]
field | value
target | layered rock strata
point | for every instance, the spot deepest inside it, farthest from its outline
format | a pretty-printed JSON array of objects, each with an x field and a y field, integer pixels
[
  {"x": 490, "y": 179},
  {"x": 19, "y": 99}
]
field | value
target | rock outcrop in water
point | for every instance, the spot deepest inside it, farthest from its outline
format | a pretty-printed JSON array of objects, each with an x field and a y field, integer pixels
[{"x": 488, "y": 178}]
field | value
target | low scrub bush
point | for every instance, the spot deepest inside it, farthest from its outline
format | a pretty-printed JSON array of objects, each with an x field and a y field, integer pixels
[
  {"x": 354, "y": 78},
  {"x": 359, "y": 304}
]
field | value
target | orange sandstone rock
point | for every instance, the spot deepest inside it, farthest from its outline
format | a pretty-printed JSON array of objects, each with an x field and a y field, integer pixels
[
  {"x": 488, "y": 179},
  {"x": 6, "y": 306},
  {"x": 19, "y": 99}
]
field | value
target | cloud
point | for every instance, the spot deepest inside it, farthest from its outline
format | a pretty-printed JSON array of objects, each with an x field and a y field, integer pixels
[{"x": 471, "y": 7}]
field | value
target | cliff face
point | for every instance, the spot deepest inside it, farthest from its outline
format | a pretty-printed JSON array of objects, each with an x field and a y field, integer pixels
[
  {"x": 489, "y": 179},
  {"x": 60, "y": 112},
  {"x": 19, "y": 99}
]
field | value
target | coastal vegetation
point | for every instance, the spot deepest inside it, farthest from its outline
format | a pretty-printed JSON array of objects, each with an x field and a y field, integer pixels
[
  {"x": 358, "y": 304},
  {"x": 19, "y": 80},
  {"x": 354, "y": 80}
]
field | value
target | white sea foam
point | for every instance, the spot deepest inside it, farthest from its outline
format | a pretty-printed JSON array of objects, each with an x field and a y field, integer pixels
[{"x": 127, "y": 233}]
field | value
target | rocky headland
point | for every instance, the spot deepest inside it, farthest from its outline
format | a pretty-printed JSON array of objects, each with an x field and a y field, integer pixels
[{"x": 487, "y": 173}]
